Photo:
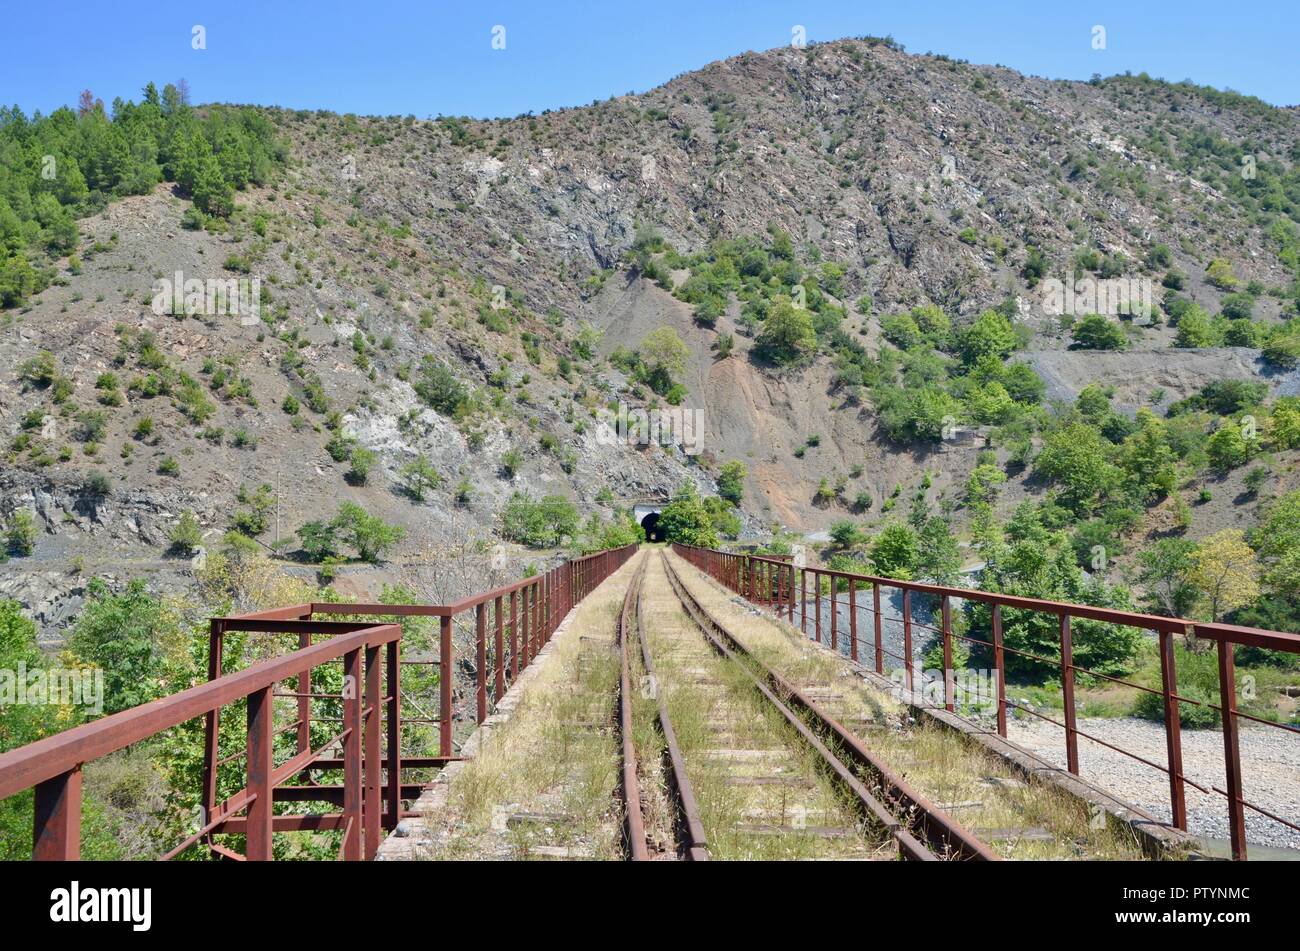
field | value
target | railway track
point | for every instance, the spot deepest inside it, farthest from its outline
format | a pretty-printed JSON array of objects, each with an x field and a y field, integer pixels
[
  {"x": 922, "y": 830},
  {"x": 761, "y": 773},
  {"x": 692, "y": 844}
]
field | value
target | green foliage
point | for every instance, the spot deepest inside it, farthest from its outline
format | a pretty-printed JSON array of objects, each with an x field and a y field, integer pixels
[
  {"x": 419, "y": 476},
  {"x": 360, "y": 462},
  {"x": 661, "y": 359},
  {"x": 1036, "y": 561},
  {"x": 437, "y": 386},
  {"x": 1095, "y": 332},
  {"x": 319, "y": 540},
  {"x": 128, "y": 635},
  {"x": 1198, "y": 681},
  {"x": 20, "y": 533},
  {"x": 990, "y": 335},
  {"x": 370, "y": 535},
  {"x": 788, "y": 333},
  {"x": 57, "y": 168},
  {"x": 846, "y": 534},
  {"x": 894, "y": 552},
  {"x": 731, "y": 481},
  {"x": 1078, "y": 459},
  {"x": 186, "y": 536},
  {"x": 543, "y": 523},
  {"x": 1227, "y": 448},
  {"x": 686, "y": 519}
]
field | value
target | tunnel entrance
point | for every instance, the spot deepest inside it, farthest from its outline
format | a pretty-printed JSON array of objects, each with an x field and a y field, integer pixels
[{"x": 653, "y": 533}]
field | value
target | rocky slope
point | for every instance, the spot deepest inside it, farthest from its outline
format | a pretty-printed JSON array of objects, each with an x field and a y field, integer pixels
[{"x": 390, "y": 240}]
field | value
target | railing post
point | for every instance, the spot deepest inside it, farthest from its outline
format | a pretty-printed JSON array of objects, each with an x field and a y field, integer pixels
[
  {"x": 1173, "y": 731},
  {"x": 524, "y": 638},
  {"x": 789, "y": 592},
  {"x": 907, "y": 641},
  {"x": 803, "y": 601},
  {"x": 352, "y": 788},
  {"x": 304, "y": 699},
  {"x": 212, "y": 723},
  {"x": 835, "y": 615},
  {"x": 853, "y": 619},
  {"x": 1231, "y": 749},
  {"x": 817, "y": 611},
  {"x": 393, "y": 669},
  {"x": 480, "y": 675},
  {"x": 875, "y": 607},
  {"x": 999, "y": 670},
  {"x": 56, "y": 818},
  {"x": 500, "y": 645},
  {"x": 260, "y": 811},
  {"x": 445, "y": 674},
  {"x": 514, "y": 636},
  {"x": 539, "y": 636},
  {"x": 949, "y": 699},
  {"x": 372, "y": 803},
  {"x": 1067, "y": 693}
]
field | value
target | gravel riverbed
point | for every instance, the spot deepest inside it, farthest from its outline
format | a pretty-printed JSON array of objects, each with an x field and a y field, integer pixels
[{"x": 1270, "y": 764}]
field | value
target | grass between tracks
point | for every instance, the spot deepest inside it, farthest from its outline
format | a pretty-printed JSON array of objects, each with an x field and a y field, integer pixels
[{"x": 728, "y": 733}]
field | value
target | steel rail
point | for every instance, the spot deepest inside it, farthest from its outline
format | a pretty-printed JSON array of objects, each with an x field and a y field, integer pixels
[
  {"x": 909, "y": 846},
  {"x": 943, "y": 835},
  {"x": 634, "y": 821},
  {"x": 692, "y": 840}
]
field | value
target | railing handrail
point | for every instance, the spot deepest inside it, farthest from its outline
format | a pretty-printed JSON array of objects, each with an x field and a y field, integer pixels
[
  {"x": 1238, "y": 634},
  {"x": 46, "y": 758}
]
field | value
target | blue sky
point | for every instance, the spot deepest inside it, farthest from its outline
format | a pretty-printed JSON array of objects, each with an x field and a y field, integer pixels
[{"x": 429, "y": 58}]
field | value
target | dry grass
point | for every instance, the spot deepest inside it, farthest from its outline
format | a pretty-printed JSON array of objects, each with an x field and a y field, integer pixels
[
  {"x": 726, "y": 732},
  {"x": 978, "y": 788},
  {"x": 556, "y": 758}
]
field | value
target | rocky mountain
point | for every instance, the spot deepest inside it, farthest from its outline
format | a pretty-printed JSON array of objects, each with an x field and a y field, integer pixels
[{"x": 455, "y": 288}]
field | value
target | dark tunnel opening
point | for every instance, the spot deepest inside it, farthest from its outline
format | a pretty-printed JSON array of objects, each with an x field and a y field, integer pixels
[{"x": 653, "y": 533}]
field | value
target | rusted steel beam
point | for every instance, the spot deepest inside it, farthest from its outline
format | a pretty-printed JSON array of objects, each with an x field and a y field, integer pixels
[
  {"x": 371, "y": 800},
  {"x": 261, "y": 711},
  {"x": 1067, "y": 695},
  {"x": 480, "y": 662},
  {"x": 1173, "y": 731},
  {"x": 352, "y": 778},
  {"x": 853, "y": 619},
  {"x": 999, "y": 666},
  {"x": 875, "y": 607},
  {"x": 499, "y": 655},
  {"x": 1232, "y": 751},
  {"x": 633, "y": 819},
  {"x": 948, "y": 685},
  {"x": 393, "y": 669},
  {"x": 445, "y": 675},
  {"x": 56, "y": 820}
]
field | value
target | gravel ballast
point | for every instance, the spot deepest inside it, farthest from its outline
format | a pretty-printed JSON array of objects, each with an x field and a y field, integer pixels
[{"x": 1270, "y": 763}]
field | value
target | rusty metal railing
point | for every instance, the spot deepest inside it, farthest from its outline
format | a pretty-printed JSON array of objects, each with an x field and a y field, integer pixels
[
  {"x": 372, "y": 791},
  {"x": 779, "y": 585}
]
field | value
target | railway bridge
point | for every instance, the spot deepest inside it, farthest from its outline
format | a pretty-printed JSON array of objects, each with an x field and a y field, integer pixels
[{"x": 756, "y": 708}]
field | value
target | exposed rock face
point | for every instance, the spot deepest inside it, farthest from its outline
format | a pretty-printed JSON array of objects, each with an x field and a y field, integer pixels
[{"x": 883, "y": 162}]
